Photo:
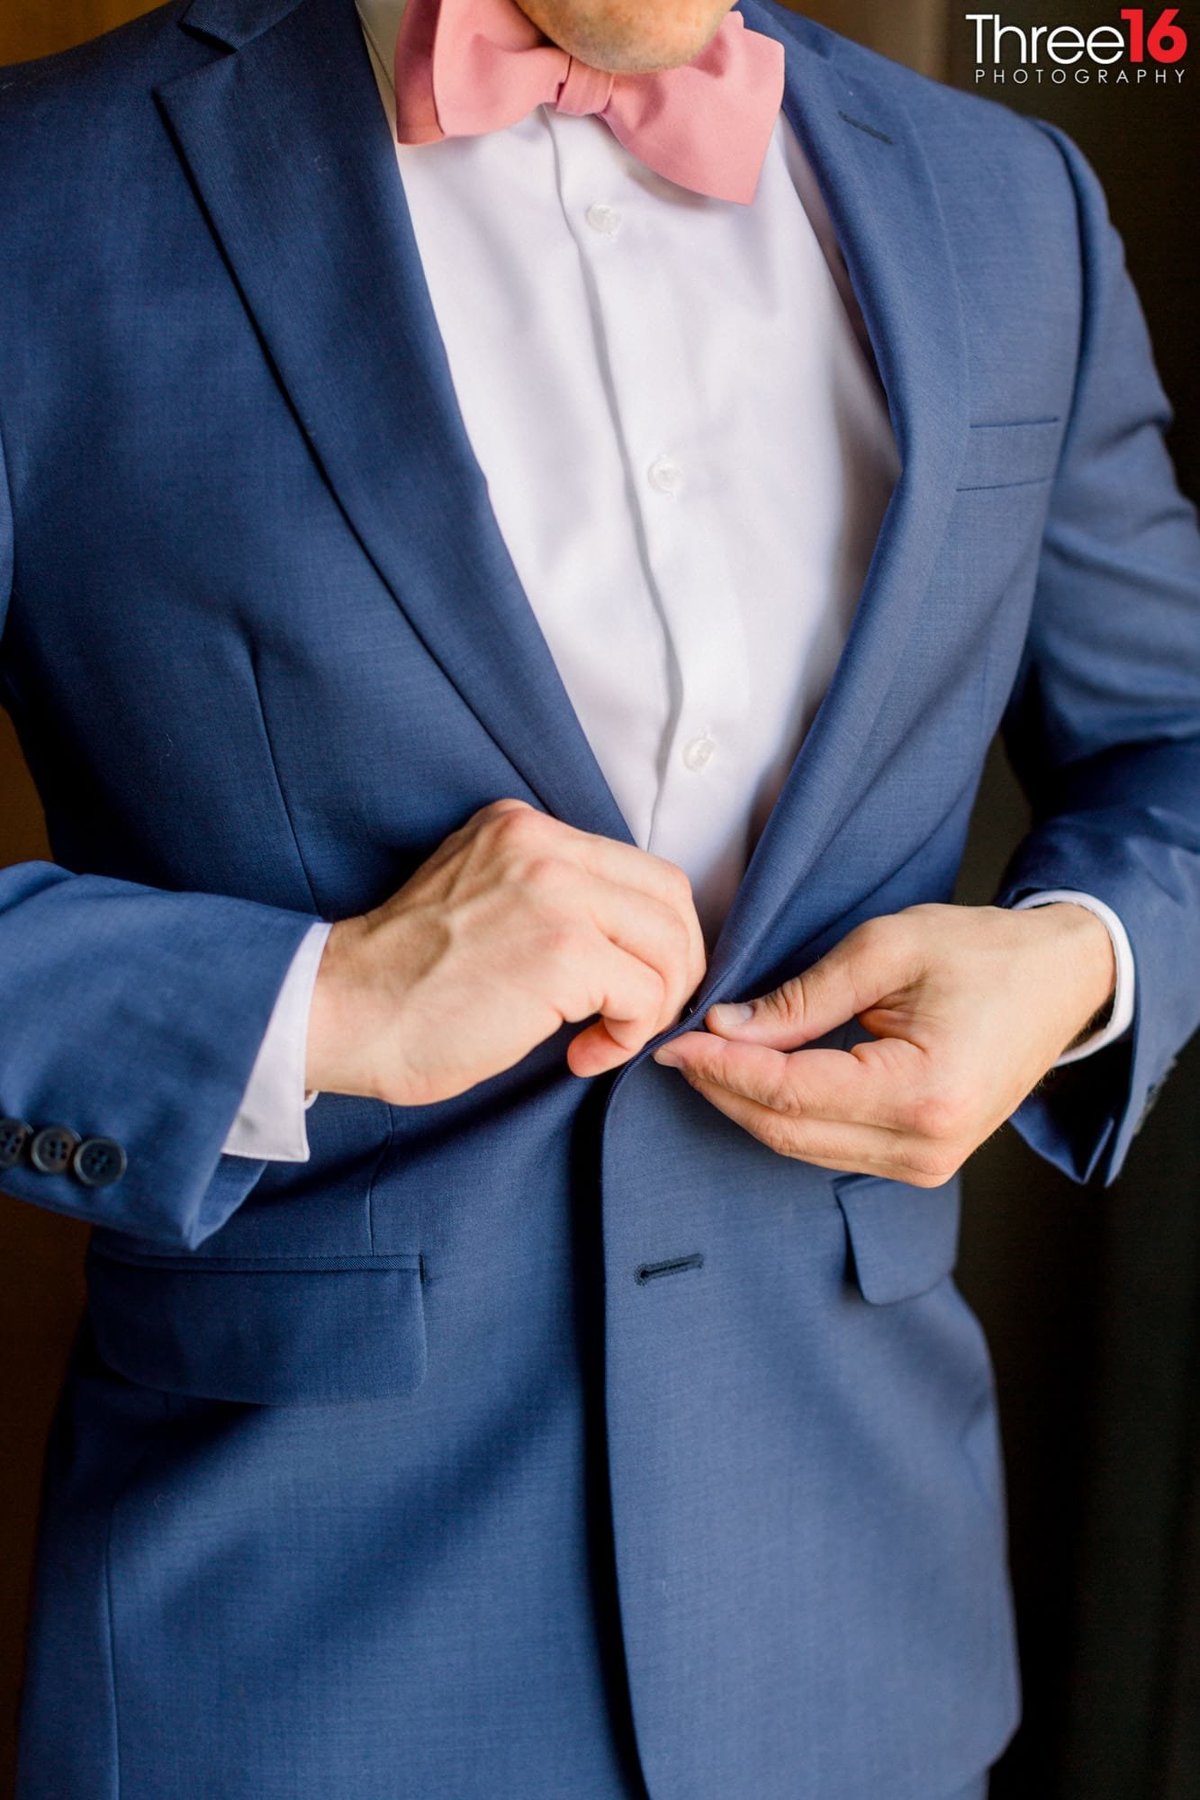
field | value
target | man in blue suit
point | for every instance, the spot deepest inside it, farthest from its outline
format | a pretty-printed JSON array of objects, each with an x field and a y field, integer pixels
[{"x": 507, "y": 630}]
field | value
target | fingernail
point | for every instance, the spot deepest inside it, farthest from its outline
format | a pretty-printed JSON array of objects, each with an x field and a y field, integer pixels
[
  {"x": 667, "y": 1057},
  {"x": 730, "y": 1014}
]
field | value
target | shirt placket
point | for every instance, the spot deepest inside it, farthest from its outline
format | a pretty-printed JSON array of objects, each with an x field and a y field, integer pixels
[{"x": 672, "y": 464}]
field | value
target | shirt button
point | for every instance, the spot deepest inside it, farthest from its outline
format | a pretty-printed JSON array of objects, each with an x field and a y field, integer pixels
[
  {"x": 604, "y": 219},
  {"x": 699, "y": 753},
  {"x": 666, "y": 476}
]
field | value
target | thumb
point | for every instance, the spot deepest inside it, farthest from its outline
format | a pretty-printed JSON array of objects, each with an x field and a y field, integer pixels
[{"x": 857, "y": 974}]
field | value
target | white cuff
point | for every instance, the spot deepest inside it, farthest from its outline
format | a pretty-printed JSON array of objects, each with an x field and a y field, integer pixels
[
  {"x": 270, "y": 1125},
  {"x": 1121, "y": 1017}
]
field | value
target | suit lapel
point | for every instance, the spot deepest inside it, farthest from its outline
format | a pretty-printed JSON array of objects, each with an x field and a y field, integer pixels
[
  {"x": 288, "y": 147},
  {"x": 872, "y": 171},
  {"x": 289, "y": 150}
]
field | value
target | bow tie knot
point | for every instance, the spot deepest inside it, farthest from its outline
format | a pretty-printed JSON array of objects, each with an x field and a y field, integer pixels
[
  {"x": 468, "y": 67},
  {"x": 585, "y": 90}
]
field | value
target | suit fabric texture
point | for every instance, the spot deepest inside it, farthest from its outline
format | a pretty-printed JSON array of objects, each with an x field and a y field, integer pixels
[{"x": 559, "y": 1439}]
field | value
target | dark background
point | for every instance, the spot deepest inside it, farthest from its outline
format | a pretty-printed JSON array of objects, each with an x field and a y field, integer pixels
[{"x": 1091, "y": 1297}]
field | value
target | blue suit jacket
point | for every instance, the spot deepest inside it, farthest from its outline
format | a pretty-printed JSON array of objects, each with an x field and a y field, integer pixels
[{"x": 561, "y": 1437}]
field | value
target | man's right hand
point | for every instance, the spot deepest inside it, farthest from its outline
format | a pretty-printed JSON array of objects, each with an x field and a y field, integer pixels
[{"x": 516, "y": 925}]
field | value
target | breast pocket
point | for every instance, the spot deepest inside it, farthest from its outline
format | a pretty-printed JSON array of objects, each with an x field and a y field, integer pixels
[
  {"x": 1024, "y": 453},
  {"x": 269, "y": 1332}
]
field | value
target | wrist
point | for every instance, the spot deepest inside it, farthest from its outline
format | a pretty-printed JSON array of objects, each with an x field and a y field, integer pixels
[
  {"x": 1085, "y": 964},
  {"x": 336, "y": 1015}
]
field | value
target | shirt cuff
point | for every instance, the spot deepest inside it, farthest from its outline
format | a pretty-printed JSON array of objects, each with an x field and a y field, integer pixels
[
  {"x": 1121, "y": 1016},
  {"x": 271, "y": 1125}
]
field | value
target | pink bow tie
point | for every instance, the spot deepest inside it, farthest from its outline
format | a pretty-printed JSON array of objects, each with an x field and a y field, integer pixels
[{"x": 466, "y": 67}]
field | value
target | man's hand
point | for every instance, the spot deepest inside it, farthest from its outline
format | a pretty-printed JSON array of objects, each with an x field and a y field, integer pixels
[
  {"x": 969, "y": 1007},
  {"x": 516, "y": 925}
]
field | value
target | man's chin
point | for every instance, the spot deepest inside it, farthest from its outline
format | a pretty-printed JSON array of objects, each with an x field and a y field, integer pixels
[
  {"x": 618, "y": 60},
  {"x": 616, "y": 46}
]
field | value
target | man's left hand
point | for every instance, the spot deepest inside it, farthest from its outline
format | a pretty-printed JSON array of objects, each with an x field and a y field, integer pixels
[{"x": 968, "y": 1006}]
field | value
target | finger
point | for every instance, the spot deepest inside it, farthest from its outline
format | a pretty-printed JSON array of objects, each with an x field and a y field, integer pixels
[
  {"x": 857, "y": 1149},
  {"x": 596, "y": 1052},
  {"x": 871, "y": 965},
  {"x": 627, "y": 994},
  {"x": 479, "y": 821},
  {"x": 648, "y": 929},
  {"x": 495, "y": 809},
  {"x": 625, "y": 866},
  {"x": 818, "y": 1084},
  {"x": 633, "y": 872},
  {"x": 618, "y": 862}
]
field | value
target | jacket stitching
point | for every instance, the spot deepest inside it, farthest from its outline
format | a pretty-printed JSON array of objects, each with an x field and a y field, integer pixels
[{"x": 279, "y": 787}]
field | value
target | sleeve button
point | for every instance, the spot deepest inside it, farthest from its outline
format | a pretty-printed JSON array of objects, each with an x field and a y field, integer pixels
[
  {"x": 52, "y": 1149},
  {"x": 99, "y": 1162},
  {"x": 14, "y": 1135}
]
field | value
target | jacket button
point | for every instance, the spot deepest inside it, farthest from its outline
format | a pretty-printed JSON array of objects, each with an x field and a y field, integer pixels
[
  {"x": 52, "y": 1149},
  {"x": 99, "y": 1162},
  {"x": 14, "y": 1135}
]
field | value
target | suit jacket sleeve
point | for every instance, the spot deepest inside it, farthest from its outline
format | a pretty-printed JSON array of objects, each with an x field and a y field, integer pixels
[
  {"x": 1103, "y": 725},
  {"x": 136, "y": 1015}
]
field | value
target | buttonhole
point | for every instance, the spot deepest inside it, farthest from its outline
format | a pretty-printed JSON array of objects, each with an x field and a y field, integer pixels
[
  {"x": 869, "y": 129},
  {"x": 678, "y": 1266}
]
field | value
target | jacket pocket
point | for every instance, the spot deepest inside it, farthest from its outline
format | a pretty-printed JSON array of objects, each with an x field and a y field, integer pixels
[
  {"x": 903, "y": 1240},
  {"x": 1018, "y": 455},
  {"x": 268, "y": 1332}
]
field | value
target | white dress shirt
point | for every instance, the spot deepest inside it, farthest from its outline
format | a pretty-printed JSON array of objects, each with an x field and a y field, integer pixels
[{"x": 689, "y": 455}]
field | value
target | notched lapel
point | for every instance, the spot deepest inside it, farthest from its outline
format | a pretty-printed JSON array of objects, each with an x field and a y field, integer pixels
[
  {"x": 289, "y": 150},
  {"x": 234, "y": 22},
  {"x": 871, "y": 167}
]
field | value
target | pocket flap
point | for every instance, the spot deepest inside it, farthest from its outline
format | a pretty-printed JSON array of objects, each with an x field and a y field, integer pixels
[
  {"x": 1011, "y": 455},
  {"x": 267, "y": 1334},
  {"x": 903, "y": 1239}
]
